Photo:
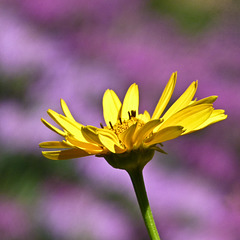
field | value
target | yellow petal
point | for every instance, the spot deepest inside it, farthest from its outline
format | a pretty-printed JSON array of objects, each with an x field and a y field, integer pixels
[
  {"x": 66, "y": 110},
  {"x": 166, "y": 95},
  {"x": 108, "y": 133},
  {"x": 64, "y": 155},
  {"x": 210, "y": 99},
  {"x": 91, "y": 135},
  {"x": 182, "y": 101},
  {"x": 144, "y": 131},
  {"x": 111, "y": 107},
  {"x": 216, "y": 116},
  {"x": 72, "y": 122},
  {"x": 50, "y": 126},
  {"x": 110, "y": 140},
  {"x": 131, "y": 101},
  {"x": 54, "y": 144},
  {"x": 190, "y": 117},
  {"x": 145, "y": 117},
  {"x": 87, "y": 147},
  {"x": 164, "y": 135},
  {"x": 110, "y": 144},
  {"x": 127, "y": 136},
  {"x": 72, "y": 127}
]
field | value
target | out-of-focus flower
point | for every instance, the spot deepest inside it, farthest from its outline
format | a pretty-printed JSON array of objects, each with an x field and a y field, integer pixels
[
  {"x": 70, "y": 11},
  {"x": 223, "y": 164},
  {"x": 13, "y": 221},
  {"x": 130, "y": 138},
  {"x": 72, "y": 212}
]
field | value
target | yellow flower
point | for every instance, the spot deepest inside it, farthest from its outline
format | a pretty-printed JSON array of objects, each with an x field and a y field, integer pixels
[{"x": 129, "y": 137}]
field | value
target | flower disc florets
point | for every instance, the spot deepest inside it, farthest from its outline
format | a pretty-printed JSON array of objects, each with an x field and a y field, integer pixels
[{"x": 122, "y": 126}]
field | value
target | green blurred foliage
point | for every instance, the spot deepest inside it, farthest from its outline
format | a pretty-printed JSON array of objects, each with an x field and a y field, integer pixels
[
  {"x": 192, "y": 18},
  {"x": 21, "y": 175},
  {"x": 14, "y": 87}
]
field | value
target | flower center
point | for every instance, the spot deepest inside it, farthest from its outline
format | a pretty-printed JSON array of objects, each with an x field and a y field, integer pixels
[{"x": 122, "y": 126}]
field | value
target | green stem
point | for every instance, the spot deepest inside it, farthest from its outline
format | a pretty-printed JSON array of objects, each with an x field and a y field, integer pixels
[{"x": 139, "y": 187}]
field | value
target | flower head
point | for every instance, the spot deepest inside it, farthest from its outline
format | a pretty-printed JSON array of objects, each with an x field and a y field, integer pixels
[{"x": 129, "y": 139}]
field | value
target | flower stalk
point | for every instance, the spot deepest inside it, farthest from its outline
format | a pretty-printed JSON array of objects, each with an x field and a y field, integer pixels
[{"x": 140, "y": 191}]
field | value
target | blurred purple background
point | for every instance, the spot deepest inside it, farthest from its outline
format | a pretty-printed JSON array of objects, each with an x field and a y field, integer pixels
[{"x": 75, "y": 50}]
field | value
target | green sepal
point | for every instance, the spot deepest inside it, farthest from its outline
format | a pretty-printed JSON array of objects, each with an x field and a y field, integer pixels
[{"x": 130, "y": 160}]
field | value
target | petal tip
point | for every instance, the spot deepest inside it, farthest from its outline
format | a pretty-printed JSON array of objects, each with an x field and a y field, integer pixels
[
  {"x": 50, "y": 111},
  {"x": 62, "y": 102},
  {"x": 196, "y": 83},
  {"x": 225, "y": 116}
]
